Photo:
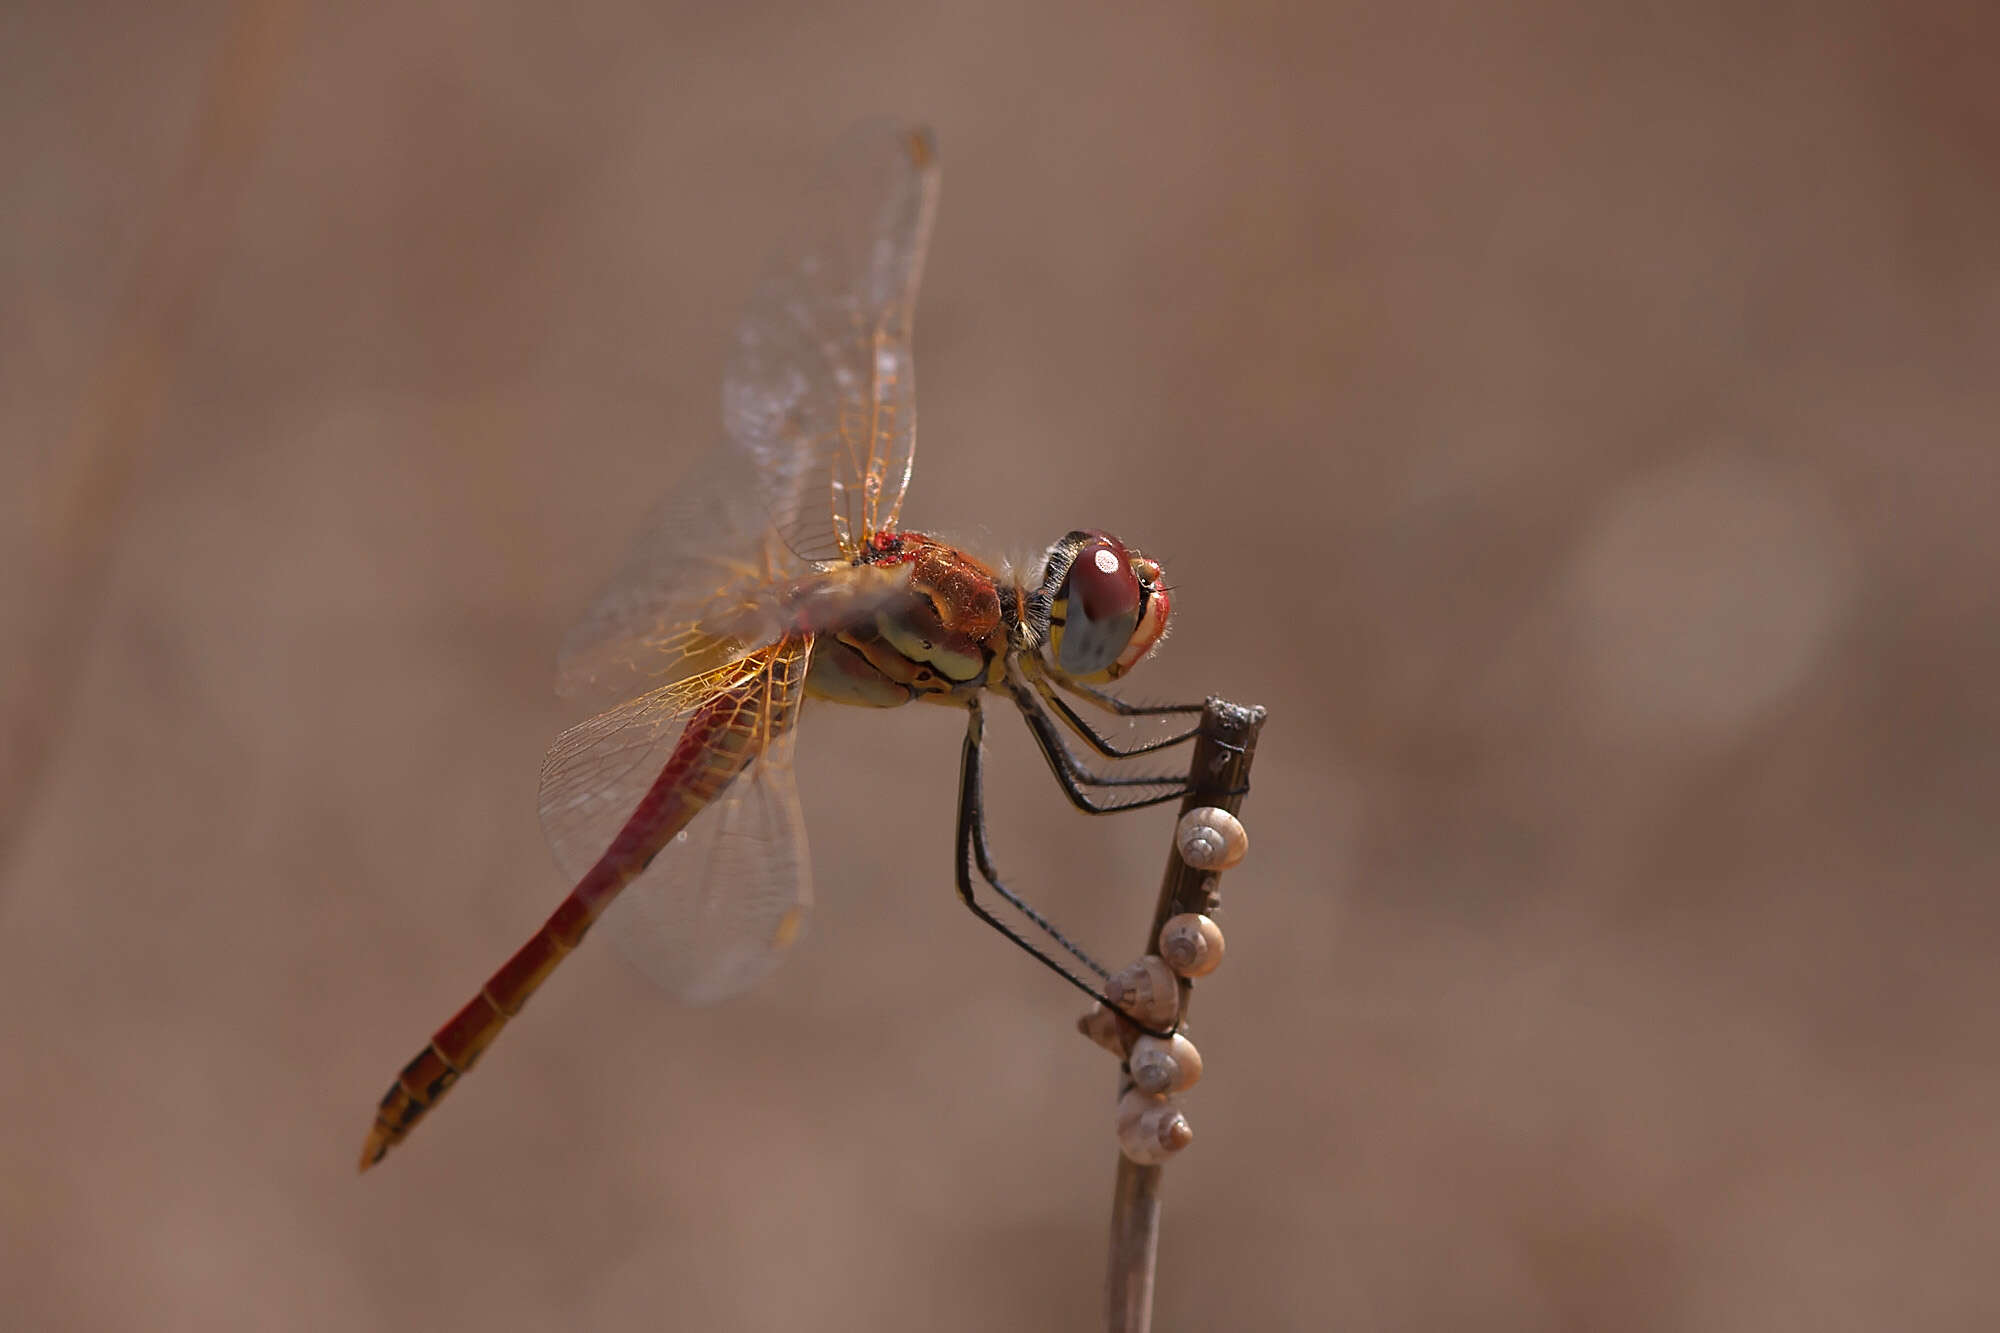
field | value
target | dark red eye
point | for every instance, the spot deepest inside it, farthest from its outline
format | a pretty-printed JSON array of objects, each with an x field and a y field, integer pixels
[{"x": 1102, "y": 583}]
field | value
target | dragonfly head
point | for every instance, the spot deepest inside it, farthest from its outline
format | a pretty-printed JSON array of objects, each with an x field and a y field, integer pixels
[{"x": 1107, "y": 606}]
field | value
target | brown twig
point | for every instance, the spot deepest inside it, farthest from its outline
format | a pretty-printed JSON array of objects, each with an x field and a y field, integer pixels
[{"x": 1218, "y": 775}]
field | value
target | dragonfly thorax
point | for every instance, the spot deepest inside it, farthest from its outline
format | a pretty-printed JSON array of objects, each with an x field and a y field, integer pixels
[{"x": 938, "y": 634}]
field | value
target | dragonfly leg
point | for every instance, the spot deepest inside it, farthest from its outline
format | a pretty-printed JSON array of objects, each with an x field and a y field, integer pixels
[
  {"x": 972, "y": 826},
  {"x": 1103, "y": 744},
  {"x": 1111, "y": 703},
  {"x": 972, "y": 850},
  {"x": 1070, "y": 773}
]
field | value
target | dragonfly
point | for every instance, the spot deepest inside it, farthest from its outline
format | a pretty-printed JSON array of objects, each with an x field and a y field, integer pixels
[{"x": 780, "y": 572}]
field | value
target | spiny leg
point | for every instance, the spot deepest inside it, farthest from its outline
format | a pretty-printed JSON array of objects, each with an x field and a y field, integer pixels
[
  {"x": 1070, "y": 773},
  {"x": 972, "y": 849},
  {"x": 1111, "y": 703},
  {"x": 1103, "y": 744},
  {"x": 972, "y": 814}
]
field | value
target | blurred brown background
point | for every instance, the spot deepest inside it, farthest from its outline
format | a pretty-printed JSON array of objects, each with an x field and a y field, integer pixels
[{"x": 1577, "y": 429}]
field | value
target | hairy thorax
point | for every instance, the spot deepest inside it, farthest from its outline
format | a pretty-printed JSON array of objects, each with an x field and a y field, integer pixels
[{"x": 929, "y": 625}]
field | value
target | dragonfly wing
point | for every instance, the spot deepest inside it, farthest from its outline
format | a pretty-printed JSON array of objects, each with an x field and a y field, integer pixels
[
  {"x": 821, "y": 389},
  {"x": 599, "y": 770},
  {"x": 819, "y": 407},
  {"x": 719, "y": 904},
  {"x": 722, "y": 905},
  {"x": 694, "y": 589}
]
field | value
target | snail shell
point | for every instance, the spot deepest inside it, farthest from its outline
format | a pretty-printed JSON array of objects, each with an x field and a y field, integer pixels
[
  {"x": 1191, "y": 944},
  {"x": 1108, "y": 1029},
  {"x": 1163, "y": 1066},
  {"x": 1151, "y": 1130},
  {"x": 1210, "y": 838},
  {"x": 1147, "y": 991}
]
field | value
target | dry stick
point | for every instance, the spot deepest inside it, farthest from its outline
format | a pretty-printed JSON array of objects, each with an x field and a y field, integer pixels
[{"x": 1217, "y": 776}]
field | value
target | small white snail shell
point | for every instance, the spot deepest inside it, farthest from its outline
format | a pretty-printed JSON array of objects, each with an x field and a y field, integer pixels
[
  {"x": 1147, "y": 991},
  {"x": 1151, "y": 1130},
  {"x": 1109, "y": 1030},
  {"x": 1161, "y": 1066},
  {"x": 1191, "y": 944},
  {"x": 1210, "y": 838}
]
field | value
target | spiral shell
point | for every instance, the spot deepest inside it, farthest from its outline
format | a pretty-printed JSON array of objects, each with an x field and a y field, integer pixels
[
  {"x": 1191, "y": 944},
  {"x": 1148, "y": 991},
  {"x": 1150, "y": 1130},
  {"x": 1161, "y": 1066},
  {"x": 1107, "y": 1029},
  {"x": 1210, "y": 838}
]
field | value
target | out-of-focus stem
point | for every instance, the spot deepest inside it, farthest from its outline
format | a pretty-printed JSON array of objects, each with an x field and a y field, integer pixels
[{"x": 79, "y": 500}]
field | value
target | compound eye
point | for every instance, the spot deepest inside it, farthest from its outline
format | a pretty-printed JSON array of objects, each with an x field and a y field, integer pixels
[
  {"x": 1102, "y": 582},
  {"x": 1103, "y": 601}
]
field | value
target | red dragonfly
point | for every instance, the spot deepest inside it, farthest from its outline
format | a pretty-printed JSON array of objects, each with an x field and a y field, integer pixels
[{"x": 777, "y": 573}]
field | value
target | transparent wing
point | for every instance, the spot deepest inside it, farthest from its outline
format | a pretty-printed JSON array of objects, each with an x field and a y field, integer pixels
[
  {"x": 818, "y": 404},
  {"x": 724, "y": 903},
  {"x": 599, "y": 770},
  {"x": 821, "y": 390},
  {"x": 717, "y": 908},
  {"x": 697, "y": 587}
]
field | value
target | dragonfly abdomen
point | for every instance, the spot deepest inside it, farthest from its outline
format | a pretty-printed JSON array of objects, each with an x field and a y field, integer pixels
[{"x": 717, "y": 744}]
